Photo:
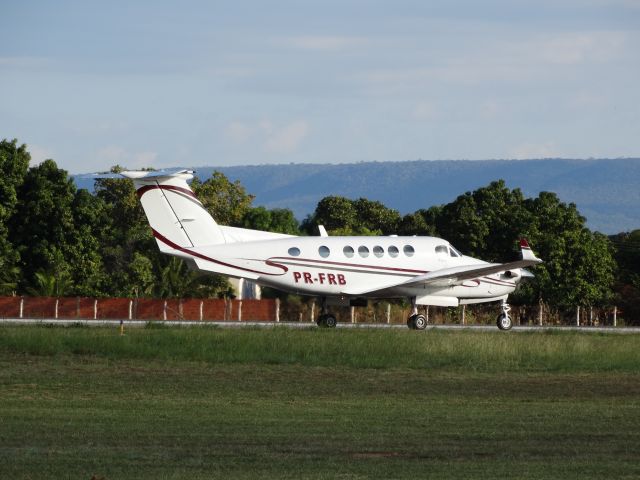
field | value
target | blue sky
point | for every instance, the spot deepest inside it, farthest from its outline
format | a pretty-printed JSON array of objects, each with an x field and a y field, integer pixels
[{"x": 192, "y": 83}]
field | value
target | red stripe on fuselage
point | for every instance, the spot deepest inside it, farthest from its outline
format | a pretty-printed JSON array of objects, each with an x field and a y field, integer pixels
[{"x": 192, "y": 253}]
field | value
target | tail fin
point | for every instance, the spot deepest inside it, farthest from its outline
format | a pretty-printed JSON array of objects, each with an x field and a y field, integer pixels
[{"x": 176, "y": 216}]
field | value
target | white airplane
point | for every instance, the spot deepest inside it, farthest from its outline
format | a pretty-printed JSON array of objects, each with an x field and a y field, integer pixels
[{"x": 339, "y": 270}]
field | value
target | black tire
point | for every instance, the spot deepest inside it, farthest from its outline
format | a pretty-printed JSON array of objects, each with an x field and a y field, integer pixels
[
  {"x": 410, "y": 322},
  {"x": 419, "y": 322},
  {"x": 322, "y": 321},
  {"x": 504, "y": 322},
  {"x": 330, "y": 321}
]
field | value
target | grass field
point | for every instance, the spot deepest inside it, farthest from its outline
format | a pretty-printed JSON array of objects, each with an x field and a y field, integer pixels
[{"x": 351, "y": 404}]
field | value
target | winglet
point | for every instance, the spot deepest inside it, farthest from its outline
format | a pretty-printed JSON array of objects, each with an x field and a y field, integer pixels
[{"x": 527, "y": 253}]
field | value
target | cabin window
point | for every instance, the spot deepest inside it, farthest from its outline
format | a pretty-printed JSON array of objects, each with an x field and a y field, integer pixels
[
  {"x": 442, "y": 250},
  {"x": 363, "y": 251},
  {"x": 348, "y": 251},
  {"x": 378, "y": 251},
  {"x": 408, "y": 250},
  {"x": 324, "y": 251},
  {"x": 454, "y": 252},
  {"x": 294, "y": 251},
  {"x": 393, "y": 251}
]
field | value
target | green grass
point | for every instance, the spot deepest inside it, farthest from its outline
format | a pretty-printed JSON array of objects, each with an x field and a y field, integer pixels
[{"x": 214, "y": 403}]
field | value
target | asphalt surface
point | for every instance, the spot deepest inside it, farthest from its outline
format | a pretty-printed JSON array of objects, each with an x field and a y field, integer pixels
[{"x": 235, "y": 324}]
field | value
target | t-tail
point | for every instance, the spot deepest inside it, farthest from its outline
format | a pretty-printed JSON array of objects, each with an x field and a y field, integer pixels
[{"x": 177, "y": 218}]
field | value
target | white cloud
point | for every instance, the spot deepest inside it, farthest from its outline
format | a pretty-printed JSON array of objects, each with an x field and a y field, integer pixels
[
  {"x": 288, "y": 138},
  {"x": 238, "y": 132}
]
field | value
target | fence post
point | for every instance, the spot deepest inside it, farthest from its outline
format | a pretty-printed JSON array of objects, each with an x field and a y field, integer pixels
[
  {"x": 578, "y": 316},
  {"x": 277, "y": 310},
  {"x": 464, "y": 311},
  {"x": 353, "y": 314},
  {"x": 164, "y": 311},
  {"x": 615, "y": 316},
  {"x": 313, "y": 311},
  {"x": 388, "y": 313},
  {"x": 540, "y": 308},
  {"x": 21, "y": 307},
  {"x": 95, "y": 308},
  {"x": 239, "y": 310},
  {"x": 130, "y": 309},
  {"x": 56, "y": 311},
  {"x": 201, "y": 310}
]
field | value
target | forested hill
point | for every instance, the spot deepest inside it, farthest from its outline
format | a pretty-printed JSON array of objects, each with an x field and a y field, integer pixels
[{"x": 607, "y": 192}]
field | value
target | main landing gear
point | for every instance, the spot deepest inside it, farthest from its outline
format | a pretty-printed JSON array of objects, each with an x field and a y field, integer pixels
[
  {"x": 326, "y": 319},
  {"x": 416, "y": 321},
  {"x": 504, "y": 319}
]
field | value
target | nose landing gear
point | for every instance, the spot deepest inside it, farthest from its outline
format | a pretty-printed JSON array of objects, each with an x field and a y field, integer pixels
[
  {"x": 416, "y": 321},
  {"x": 504, "y": 319}
]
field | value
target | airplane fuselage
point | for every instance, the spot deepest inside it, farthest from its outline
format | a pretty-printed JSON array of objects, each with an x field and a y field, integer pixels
[{"x": 345, "y": 266}]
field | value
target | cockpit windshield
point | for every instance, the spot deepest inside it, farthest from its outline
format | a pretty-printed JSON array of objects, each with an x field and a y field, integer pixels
[{"x": 453, "y": 252}]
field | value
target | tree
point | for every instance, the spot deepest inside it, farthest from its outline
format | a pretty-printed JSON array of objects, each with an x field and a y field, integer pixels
[
  {"x": 14, "y": 163},
  {"x": 373, "y": 216},
  {"x": 279, "y": 220},
  {"x": 486, "y": 222},
  {"x": 627, "y": 255},
  {"x": 128, "y": 248},
  {"x": 337, "y": 214},
  {"x": 42, "y": 226},
  {"x": 226, "y": 201}
]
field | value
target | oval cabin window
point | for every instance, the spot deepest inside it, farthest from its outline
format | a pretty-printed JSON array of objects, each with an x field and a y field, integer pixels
[
  {"x": 324, "y": 251},
  {"x": 408, "y": 250},
  {"x": 348, "y": 251},
  {"x": 294, "y": 251}
]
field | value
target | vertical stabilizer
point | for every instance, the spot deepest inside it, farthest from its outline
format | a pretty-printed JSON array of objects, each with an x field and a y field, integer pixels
[{"x": 176, "y": 216}]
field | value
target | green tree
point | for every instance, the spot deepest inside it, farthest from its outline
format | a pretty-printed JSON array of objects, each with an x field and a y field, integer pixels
[
  {"x": 485, "y": 222},
  {"x": 43, "y": 227},
  {"x": 627, "y": 254},
  {"x": 279, "y": 220},
  {"x": 337, "y": 214},
  {"x": 176, "y": 280},
  {"x": 128, "y": 248},
  {"x": 373, "y": 216},
  {"x": 227, "y": 202},
  {"x": 14, "y": 163}
]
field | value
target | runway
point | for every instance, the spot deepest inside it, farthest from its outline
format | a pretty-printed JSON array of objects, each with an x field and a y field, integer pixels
[{"x": 298, "y": 325}]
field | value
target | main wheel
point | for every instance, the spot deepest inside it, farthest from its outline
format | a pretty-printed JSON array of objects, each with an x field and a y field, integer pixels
[
  {"x": 410, "y": 323},
  {"x": 504, "y": 322},
  {"x": 327, "y": 321},
  {"x": 330, "y": 321},
  {"x": 420, "y": 322}
]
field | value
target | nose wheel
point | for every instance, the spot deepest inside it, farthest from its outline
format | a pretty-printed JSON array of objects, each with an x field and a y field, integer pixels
[
  {"x": 504, "y": 321},
  {"x": 416, "y": 321}
]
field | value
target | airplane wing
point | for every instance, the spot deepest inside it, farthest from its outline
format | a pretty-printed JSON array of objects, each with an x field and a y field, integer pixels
[{"x": 451, "y": 276}]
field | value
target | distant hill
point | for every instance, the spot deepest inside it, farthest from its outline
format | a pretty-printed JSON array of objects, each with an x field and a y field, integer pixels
[{"x": 606, "y": 191}]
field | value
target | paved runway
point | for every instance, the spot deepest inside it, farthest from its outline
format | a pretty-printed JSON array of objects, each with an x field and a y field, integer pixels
[{"x": 232, "y": 324}]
